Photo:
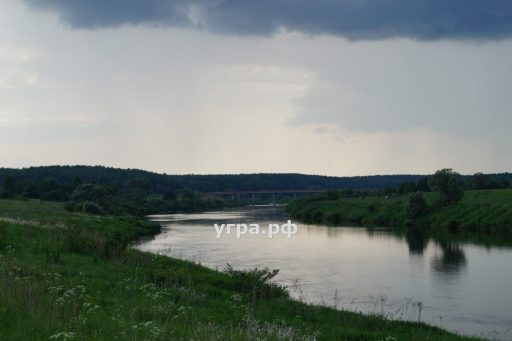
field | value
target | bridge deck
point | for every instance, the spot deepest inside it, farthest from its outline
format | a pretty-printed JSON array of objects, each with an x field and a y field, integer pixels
[{"x": 270, "y": 191}]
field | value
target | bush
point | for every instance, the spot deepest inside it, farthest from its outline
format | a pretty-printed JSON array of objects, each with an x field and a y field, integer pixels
[
  {"x": 333, "y": 194},
  {"x": 70, "y": 206},
  {"x": 3, "y": 235},
  {"x": 416, "y": 205},
  {"x": 57, "y": 195},
  {"x": 255, "y": 282},
  {"x": 92, "y": 208}
]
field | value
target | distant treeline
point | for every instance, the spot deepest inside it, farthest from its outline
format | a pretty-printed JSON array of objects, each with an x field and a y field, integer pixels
[
  {"x": 162, "y": 183},
  {"x": 98, "y": 189}
]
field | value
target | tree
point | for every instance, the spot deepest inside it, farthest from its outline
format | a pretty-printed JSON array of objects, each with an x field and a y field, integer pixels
[
  {"x": 481, "y": 181},
  {"x": 29, "y": 189},
  {"x": 9, "y": 186},
  {"x": 333, "y": 194},
  {"x": 416, "y": 205},
  {"x": 89, "y": 192},
  {"x": 136, "y": 189},
  {"x": 77, "y": 181},
  {"x": 50, "y": 184},
  {"x": 170, "y": 196},
  {"x": 449, "y": 185},
  {"x": 407, "y": 187},
  {"x": 133, "y": 193},
  {"x": 422, "y": 185}
]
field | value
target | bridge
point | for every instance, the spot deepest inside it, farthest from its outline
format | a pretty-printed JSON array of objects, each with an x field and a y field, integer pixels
[{"x": 239, "y": 194}]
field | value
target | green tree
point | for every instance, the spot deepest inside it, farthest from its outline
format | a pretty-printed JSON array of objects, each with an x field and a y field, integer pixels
[
  {"x": 77, "y": 181},
  {"x": 133, "y": 193},
  {"x": 481, "y": 181},
  {"x": 333, "y": 194},
  {"x": 416, "y": 205},
  {"x": 50, "y": 184},
  {"x": 8, "y": 186},
  {"x": 422, "y": 185},
  {"x": 89, "y": 192},
  {"x": 29, "y": 189},
  {"x": 170, "y": 196},
  {"x": 407, "y": 187},
  {"x": 449, "y": 185}
]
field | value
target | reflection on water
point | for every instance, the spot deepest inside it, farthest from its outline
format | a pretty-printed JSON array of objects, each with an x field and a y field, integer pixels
[
  {"x": 417, "y": 241},
  {"x": 451, "y": 261},
  {"x": 459, "y": 286}
]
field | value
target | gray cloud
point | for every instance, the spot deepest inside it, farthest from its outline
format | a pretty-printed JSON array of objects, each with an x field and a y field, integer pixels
[{"x": 352, "y": 19}]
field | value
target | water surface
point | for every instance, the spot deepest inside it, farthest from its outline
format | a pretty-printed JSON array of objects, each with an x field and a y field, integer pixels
[{"x": 462, "y": 287}]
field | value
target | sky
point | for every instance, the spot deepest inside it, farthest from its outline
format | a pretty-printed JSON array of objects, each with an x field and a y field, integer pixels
[{"x": 347, "y": 87}]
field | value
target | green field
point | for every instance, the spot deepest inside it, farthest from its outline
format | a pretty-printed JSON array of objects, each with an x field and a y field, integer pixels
[
  {"x": 479, "y": 211},
  {"x": 70, "y": 276}
]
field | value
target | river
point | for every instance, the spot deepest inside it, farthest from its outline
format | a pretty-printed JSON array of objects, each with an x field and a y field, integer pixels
[{"x": 459, "y": 286}]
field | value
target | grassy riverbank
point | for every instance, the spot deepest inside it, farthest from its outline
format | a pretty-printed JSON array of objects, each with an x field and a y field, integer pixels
[
  {"x": 68, "y": 276},
  {"x": 479, "y": 211}
]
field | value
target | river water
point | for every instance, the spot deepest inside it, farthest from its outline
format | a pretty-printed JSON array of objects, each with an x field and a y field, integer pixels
[{"x": 462, "y": 287}]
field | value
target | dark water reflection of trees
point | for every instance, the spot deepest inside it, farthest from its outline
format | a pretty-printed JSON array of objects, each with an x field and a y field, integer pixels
[{"x": 450, "y": 260}]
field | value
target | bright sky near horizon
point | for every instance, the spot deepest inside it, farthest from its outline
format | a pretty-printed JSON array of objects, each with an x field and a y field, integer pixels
[{"x": 243, "y": 87}]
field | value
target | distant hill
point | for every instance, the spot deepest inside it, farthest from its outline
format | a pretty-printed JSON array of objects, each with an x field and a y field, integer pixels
[{"x": 161, "y": 183}]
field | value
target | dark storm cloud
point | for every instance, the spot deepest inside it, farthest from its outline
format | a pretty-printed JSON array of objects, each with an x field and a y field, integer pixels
[{"x": 352, "y": 19}]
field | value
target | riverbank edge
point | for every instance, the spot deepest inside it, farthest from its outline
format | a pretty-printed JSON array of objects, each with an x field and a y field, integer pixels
[
  {"x": 44, "y": 247},
  {"x": 474, "y": 218}
]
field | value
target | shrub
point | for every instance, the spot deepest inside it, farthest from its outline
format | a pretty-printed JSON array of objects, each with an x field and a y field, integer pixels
[
  {"x": 57, "y": 195},
  {"x": 70, "y": 206},
  {"x": 92, "y": 208},
  {"x": 333, "y": 194},
  {"x": 3, "y": 235},
  {"x": 255, "y": 282},
  {"x": 416, "y": 205}
]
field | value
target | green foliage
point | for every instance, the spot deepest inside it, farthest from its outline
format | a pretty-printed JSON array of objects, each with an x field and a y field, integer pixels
[
  {"x": 481, "y": 181},
  {"x": 416, "y": 205},
  {"x": 407, "y": 187},
  {"x": 3, "y": 235},
  {"x": 487, "y": 212},
  {"x": 77, "y": 181},
  {"x": 366, "y": 211},
  {"x": 89, "y": 192},
  {"x": 91, "y": 207},
  {"x": 486, "y": 181},
  {"x": 29, "y": 189},
  {"x": 170, "y": 196},
  {"x": 8, "y": 186},
  {"x": 449, "y": 184},
  {"x": 55, "y": 195},
  {"x": 333, "y": 194},
  {"x": 255, "y": 282},
  {"x": 422, "y": 185},
  {"x": 162, "y": 183}
]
